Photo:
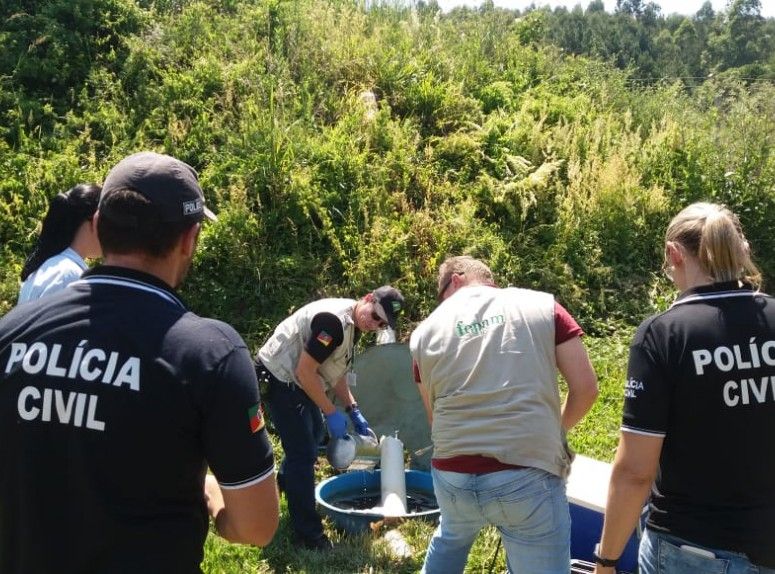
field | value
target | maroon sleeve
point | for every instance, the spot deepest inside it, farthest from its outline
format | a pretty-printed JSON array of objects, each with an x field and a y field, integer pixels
[{"x": 565, "y": 326}]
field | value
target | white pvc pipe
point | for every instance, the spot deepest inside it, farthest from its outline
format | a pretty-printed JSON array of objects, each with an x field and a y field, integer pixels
[{"x": 393, "y": 479}]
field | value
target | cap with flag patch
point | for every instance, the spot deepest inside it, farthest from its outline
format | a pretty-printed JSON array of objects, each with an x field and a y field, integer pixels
[{"x": 390, "y": 302}]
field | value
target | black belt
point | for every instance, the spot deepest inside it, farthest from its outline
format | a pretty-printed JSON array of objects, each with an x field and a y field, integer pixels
[{"x": 266, "y": 377}]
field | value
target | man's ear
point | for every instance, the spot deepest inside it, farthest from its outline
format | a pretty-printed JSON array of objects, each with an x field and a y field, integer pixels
[{"x": 189, "y": 240}]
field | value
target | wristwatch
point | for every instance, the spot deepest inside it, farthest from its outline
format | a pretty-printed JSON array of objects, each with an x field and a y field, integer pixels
[
  {"x": 349, "y": 408},
  {"x": 607, "y": 562}
]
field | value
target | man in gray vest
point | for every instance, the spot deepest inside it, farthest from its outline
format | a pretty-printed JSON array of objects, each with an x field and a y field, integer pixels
[
  {"x": 486, "y": 363},
  {"x": 308, "y": 354}
]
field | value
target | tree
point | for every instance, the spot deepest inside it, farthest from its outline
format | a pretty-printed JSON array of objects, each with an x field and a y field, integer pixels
[
  {"x": 49, "y": 47},
  {"x": 632, "y": 8},
  {"x": 689, "y": 47},
  {"x": 741, "y": 36},
  {"x": 596, "y": 6}
]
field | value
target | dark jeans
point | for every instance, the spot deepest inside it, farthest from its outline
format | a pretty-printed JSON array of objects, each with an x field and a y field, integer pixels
[{"x": 299, "y": 423}]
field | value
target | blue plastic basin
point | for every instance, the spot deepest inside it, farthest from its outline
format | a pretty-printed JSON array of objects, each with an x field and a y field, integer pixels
[{"x": 355, "y": 521}]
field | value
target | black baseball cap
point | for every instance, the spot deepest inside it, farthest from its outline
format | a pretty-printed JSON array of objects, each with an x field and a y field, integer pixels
[
  {"x": 171, "y": 185},
  {"x": 390, "y": 302}
]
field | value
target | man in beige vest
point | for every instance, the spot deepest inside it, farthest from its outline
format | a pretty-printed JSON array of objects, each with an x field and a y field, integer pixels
[
  {"x": 486, "y": 361},
  {"x": 308, "y": 354}
]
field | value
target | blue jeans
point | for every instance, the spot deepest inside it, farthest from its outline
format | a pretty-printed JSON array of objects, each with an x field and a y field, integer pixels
[
  {"x": 662, "y": 554},
  {"x": 528, "y": 507},
  {"x": 299, "y": 422}
]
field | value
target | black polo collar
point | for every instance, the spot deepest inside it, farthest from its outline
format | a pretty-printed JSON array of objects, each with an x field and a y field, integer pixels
[
  {"x": 718, "y": 290},
  {"x": 131, "y": 279}
]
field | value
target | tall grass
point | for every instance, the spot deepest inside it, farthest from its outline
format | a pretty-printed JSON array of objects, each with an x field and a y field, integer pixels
[{"x": 553, "y": 167}]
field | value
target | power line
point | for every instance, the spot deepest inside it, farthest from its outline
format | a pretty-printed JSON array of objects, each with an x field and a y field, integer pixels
[{"x": 704, "y": 78}]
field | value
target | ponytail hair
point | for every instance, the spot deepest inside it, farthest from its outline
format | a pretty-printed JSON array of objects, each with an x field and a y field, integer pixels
[
  {"x": 713, "y": 235},
  {"x": 66, "y": 212}
]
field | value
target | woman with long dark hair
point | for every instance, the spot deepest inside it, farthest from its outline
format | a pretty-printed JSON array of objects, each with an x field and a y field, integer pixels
[{"x": 68, "y": 237}]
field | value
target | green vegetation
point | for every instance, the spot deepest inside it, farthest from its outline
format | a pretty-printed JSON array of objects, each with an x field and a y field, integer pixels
[
  {"x": 473, "y": 138},
  {"x": 347, "y": 144},
  {"x": 737, "y": 42}
]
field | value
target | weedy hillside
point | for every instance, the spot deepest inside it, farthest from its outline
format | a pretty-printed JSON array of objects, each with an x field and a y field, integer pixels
[{"x": 348, "y": 144}]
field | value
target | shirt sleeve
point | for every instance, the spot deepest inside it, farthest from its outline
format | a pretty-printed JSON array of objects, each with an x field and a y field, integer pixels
[
  {"x": 59, "y": 282},
  {"x": 565, "y": 326},
  {"x": 647, "y": 390},
  {"x": 237, "y": 446},
  {"x": 327, "y": 334}
]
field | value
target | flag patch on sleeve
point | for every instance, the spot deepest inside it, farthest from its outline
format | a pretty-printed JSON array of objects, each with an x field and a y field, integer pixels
[
  {"x": 256, "y": 417},
  {"x": 324, "y": 338}
]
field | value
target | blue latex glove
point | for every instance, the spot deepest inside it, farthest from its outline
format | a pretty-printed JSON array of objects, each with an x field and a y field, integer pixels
[
  {"x": 337, "y": 424},
  {"x": 360, "y": 424}
]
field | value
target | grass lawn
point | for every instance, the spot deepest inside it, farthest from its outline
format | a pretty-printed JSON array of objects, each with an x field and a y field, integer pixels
[{"x": 595, "y": 436}]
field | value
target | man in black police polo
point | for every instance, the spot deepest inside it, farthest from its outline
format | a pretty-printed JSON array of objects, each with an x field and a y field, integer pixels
[{"x": 114, "y": 399}]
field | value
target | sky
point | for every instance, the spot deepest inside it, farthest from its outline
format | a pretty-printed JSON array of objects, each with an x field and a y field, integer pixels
[{"x": 688, "y": 7}]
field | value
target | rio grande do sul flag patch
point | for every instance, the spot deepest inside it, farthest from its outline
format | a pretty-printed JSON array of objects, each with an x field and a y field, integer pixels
[
  {"x": 256, "y": 417},
  {"x": 324, "y": 338}
]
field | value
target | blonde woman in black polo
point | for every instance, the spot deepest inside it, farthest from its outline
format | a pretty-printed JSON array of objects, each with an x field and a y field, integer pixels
[{"x": 699, "y": 413}]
